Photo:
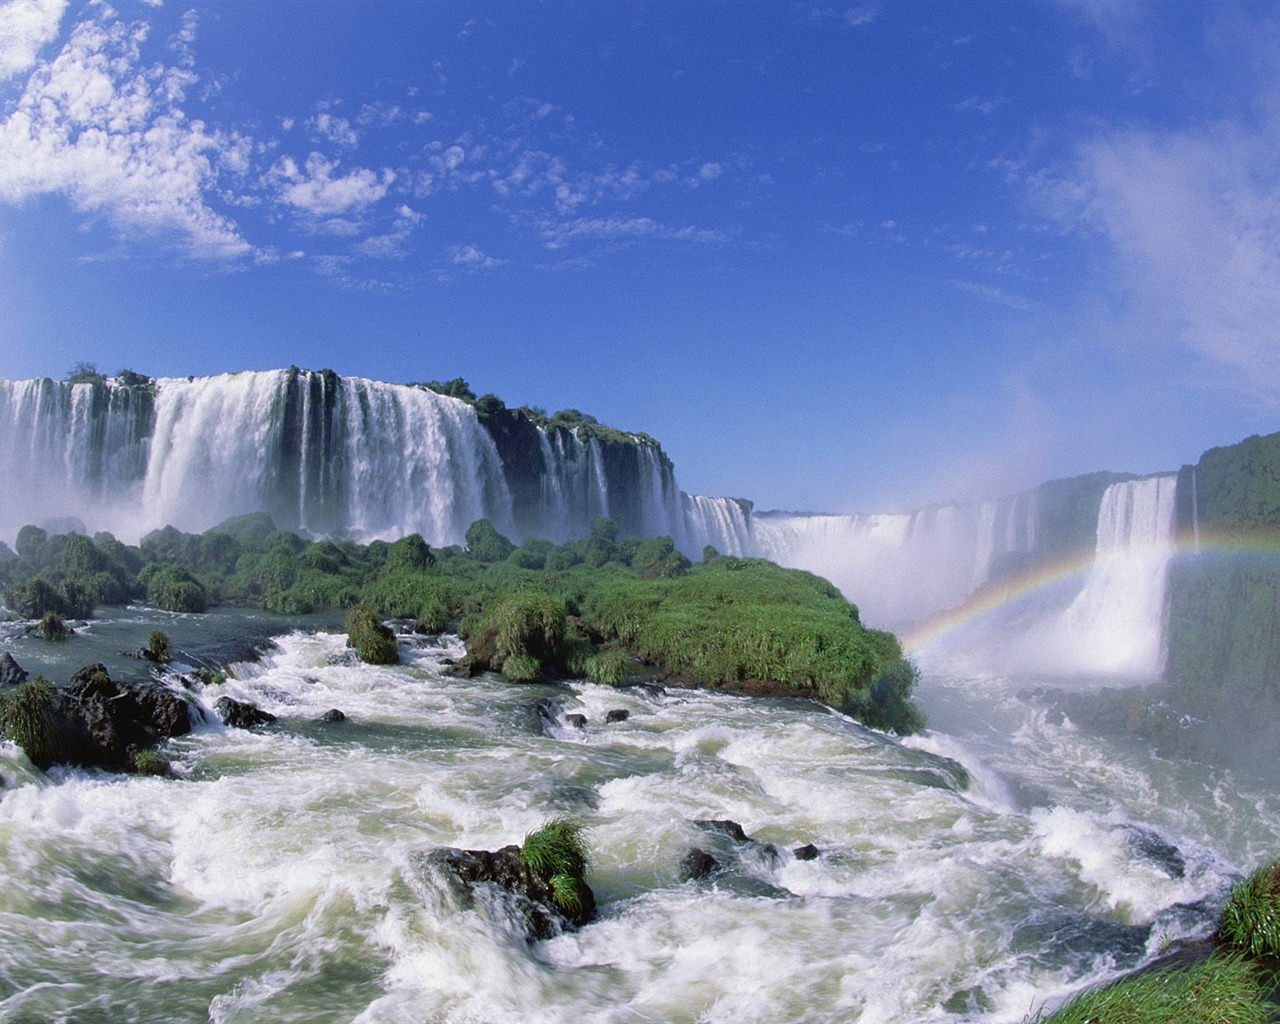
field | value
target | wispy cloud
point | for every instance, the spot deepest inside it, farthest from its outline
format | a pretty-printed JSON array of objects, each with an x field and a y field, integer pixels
[
  {"x": 999, "y": 296},
  {"x": 1191, "y": 224},
  {"x": 317, "y": 190},
  {"x": 110, "y": 134}
]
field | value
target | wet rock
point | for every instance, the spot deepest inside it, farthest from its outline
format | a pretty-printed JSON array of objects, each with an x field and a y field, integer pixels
[
  {"x": 333, "y": 715},
  {"x": 529, "y": 894},
  {"x": 725, "y": 827},
  {"x": 576, "y": 721},
  {"x": 111, "y": 720},
  {"x": 806, "y": 852},
  {"x": 617, "y": 715},
  {"x": 698, "y": 864},
  {"x": 1150, "y": 844},
  {"x": 241, "y": 715},
  {"x": 11, "y": 673}
]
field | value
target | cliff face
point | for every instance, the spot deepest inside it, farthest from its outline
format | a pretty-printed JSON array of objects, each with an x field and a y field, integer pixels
[{"x": 1224, "y": 590}]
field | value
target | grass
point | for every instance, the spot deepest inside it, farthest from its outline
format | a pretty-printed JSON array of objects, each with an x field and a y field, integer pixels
[
  {"x": 557, "y": 849},
  {"x": 373, "y": 642},
  {"x": 1250, "y": 920},
  {"x": 31, "y": 716},
  {"x": 1221, "y": 990},
  {"x": 52, "y": 627},
  {"x": 149, "y": 762}
]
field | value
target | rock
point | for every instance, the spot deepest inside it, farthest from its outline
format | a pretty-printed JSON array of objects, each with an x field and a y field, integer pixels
[
  {"x": 806, "y": 852},
  {"x": 11, "y": 673},
  {"x": 698, "y": 864},
  {"x": 617, "y": 715},
  {"x": 577, "y": 721},
  {"x": 240, "y": 715},
  {"x": 111, "y": 720},
  {"x": 333, "y": 715},
  {"x": 530, "y": 893},
  {"x": 725, "y": 827}
]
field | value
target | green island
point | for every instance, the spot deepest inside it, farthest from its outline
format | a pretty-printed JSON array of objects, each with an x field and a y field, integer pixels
[{"x": 605, "y": 608}]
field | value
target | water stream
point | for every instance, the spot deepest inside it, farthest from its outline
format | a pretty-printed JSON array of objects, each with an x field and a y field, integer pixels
[{"x": 275, "y": 878}]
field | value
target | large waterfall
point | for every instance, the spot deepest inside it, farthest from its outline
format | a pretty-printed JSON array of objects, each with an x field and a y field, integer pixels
[{"x": 326, "y": 454}]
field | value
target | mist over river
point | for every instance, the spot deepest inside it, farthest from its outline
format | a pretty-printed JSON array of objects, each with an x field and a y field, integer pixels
[{"x": 276, "y": 877}]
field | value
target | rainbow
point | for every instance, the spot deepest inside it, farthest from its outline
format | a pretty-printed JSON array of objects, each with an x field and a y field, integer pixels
[{"x": 995, "y": 596}]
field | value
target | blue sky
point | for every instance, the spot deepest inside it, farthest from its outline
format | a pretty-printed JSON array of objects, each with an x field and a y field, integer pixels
[{"x": 837, "y": 257}]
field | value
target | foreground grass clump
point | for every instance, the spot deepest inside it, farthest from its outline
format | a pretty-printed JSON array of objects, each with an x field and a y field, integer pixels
[
  {"x": 558, "y": 853},
  {"x": 1250, "y": 921},
  {"x": 52, "y": 627},
  {"x": 149, "y": 762},
  {"x": 374, "y": 643},
  {"x": 1221, "y": 990},
  {"x": 32, "y": 717}
]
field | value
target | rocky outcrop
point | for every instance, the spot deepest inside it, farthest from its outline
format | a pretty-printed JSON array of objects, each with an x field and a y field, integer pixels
[
  {"x": 241, "y": 715},
  {"x": 117, "y": 719},
  {"x": 527, "y": 894},
  {"x": 11, "y": 673}
]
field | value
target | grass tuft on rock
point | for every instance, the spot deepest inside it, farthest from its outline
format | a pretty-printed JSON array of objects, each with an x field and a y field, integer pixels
[
  {"x": 1250, "y": 920},
  {"x": 32, "y": 717},
  {"x": 557, "y": 848},
  {"x": 149, "y": 762},
  {"x": 374, "y": 643}
]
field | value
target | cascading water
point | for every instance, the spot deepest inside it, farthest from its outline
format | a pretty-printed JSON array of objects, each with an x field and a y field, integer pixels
[{"x": 322, "y": 453}]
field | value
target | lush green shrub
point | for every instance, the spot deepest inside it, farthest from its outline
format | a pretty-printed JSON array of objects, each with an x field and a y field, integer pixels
[
  {"x": 35, "y": 597},
  {"x": 485, "y": 543},
  {"x": 158, "y": 647},
  {"x": 608, "y": 667},
  {"x": 433, "y": 616},
  {"x": 52, "y": 627},
  {"x": 528, "y": 622},
  {"x": 373, "y": 642},
  {"x": 32, "y": 716},
  {"x": 1221, "y": 990},
  {"x": 1250, "y": 921},
  {"x": 172, "y": 588},
  {"x": 522, "y": 668},
  {"x": 411, "y": 552}
]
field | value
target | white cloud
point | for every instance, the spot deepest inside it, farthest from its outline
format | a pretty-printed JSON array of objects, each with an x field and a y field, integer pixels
[
  {"x": 471, "y": 257},
  {"x": 982, "y": 106},
  {"x": 26, "y": 26},
  {"x": 1191, "y": 221},
  {"x": 1000, "y": 296},
  {"x": 861, "y": 14},
  {"x": 558, "y": 234},
  {"x": 327, "y": 127},
  {"x": 94, "y": 125},
  {"x": 316, "y": 191}
]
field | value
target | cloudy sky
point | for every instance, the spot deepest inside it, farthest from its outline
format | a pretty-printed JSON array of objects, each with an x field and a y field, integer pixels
[{"x": 834, "y": 256}]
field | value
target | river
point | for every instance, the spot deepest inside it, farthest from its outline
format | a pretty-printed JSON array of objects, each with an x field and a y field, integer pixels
[{"x": 276, "y": 876}]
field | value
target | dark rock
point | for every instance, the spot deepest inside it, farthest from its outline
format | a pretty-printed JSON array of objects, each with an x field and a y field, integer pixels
[
  {"x": 577, "y": 721},
  {"x": 11, "y": 673},
  {"x": 333, "y": 715},
  {"x": 530, "y": 893},
  {"x": 617, "y": 715},
  {"x": 240, "y": 715},
  {"x": 806, "y": 852},
  {"x": 1054, "y": 716},
  {"x": 725, "y": 827},
  {"x": 110, "y": 720},
  {"x": 1150, "y": 844},
  {"x": 698, "y": 864}
]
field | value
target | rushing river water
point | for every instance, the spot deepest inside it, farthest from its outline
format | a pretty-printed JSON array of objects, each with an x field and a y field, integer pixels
[{"x": 275, "y": 878}]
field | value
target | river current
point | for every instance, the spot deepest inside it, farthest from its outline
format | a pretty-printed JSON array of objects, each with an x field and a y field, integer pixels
[{"x": 276, "y": 877}]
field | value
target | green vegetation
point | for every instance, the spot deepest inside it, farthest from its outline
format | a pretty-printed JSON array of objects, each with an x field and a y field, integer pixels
[
  {"x": 558, "y": 854},
  {"x": 158, "y": 647},
  {"x": 1221, "y": 990},
  {"x": 1251, "y": 919},
  {"x": 599, "y": 607},
  {"x": 32, "y": 717},
  {"x": 52, "y": 627},
  {"x": 148, "y": 762},
  {"x": 373, "y": 642}
]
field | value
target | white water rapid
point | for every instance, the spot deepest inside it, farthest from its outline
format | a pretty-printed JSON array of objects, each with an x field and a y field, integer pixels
[{"x": 277, "y": 876}]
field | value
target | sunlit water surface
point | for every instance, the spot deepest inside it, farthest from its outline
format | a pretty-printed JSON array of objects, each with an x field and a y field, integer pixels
[{"x": 275, "y": 878}]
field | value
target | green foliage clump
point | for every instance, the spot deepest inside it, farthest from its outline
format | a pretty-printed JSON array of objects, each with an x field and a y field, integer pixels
[
  {"x": 1250, "y": 920},
  {"x": 1221, "y": 990},
  {"x": 528, "y": 622},
  {"x": 173, "y": 588},
  {"x": 557, "y": 848},
  {"x": 32, "y": 716},
  {"x": 485, "y": 543},
  {"x": 374, "y": 643},
  {"x": 158, "y": 647},
  {"x": 433, "y": 616},
  {"x": 608, "y": 667},
  {"x": 148, "y": 762},
  {"x": 52, "y": 627},
  {"x": 522, "y": 668}
]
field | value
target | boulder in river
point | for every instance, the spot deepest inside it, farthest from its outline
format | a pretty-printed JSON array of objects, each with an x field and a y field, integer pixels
[{"x": 241, "y": 715}]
